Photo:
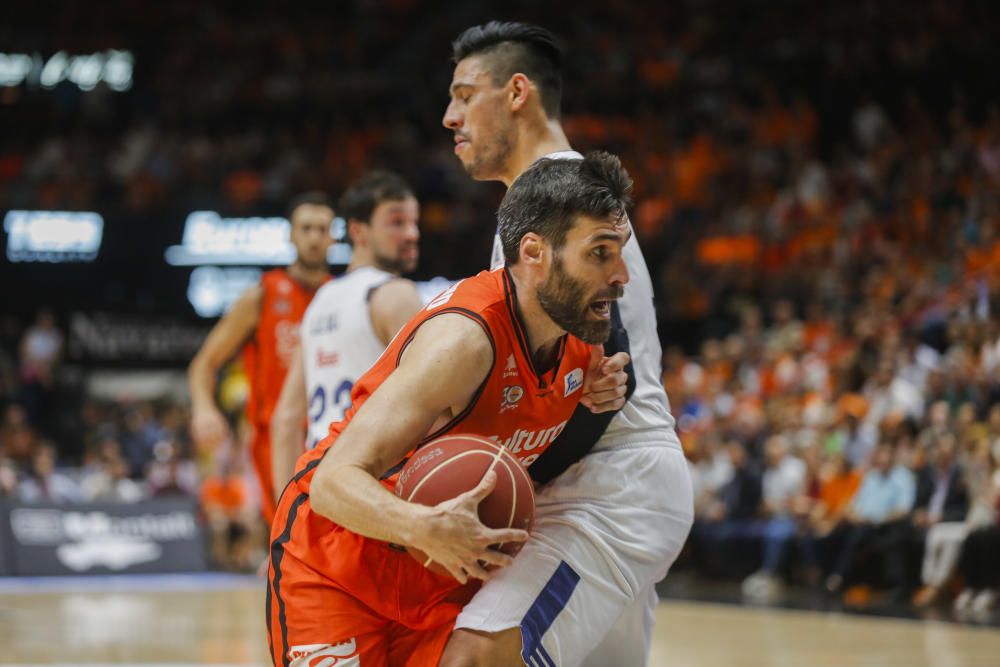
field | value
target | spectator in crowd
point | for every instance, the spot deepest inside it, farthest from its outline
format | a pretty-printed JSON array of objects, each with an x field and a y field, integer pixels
[
  {"x": 874, "y": 518},
  {"x": 837, "y": 483},
  {"x": 942, "y": 499},
  {"x": 46, "y": 484},
  {"x": 784, "y": 484},
  {"x": 980, "y": 551},
  {"x": 41, "y": 349},
  {"x": 737, "y": 503},
  {"x": 106, "y": 475},
  {"x": 945, "y": 539}
]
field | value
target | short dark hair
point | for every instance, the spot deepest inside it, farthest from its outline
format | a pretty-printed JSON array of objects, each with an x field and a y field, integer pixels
[
  {"x": 517, "y": 47},
  {"x": 313, "y": 198},
  {"x": 365, "y": 194},
  {"x": 547, "y": 198}
]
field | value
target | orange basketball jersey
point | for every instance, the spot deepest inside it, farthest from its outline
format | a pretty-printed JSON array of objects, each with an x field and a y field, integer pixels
[
  {"x": 265, "y": 358},
  {"x": 267, "y": 355},
  {"x": 336, "y": 593},
  {"x": 516, "y": 405}
]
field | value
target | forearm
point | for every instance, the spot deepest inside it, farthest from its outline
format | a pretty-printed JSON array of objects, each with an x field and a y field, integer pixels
[
  {"x": 353, "y": 498},
  {"x": 201, "y": 383},
  {"x": 287, "y": 438}
]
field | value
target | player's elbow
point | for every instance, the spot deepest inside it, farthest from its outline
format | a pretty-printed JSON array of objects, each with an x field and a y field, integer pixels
[{"x": 326, "y": 492}]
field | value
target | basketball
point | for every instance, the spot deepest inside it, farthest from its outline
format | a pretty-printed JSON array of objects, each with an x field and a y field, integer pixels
[{"x": 453, "y": 464}]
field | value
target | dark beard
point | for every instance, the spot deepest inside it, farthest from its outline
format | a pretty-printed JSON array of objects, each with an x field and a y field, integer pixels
[
  {"x": 563, "y": 299},
  {"x": 395, "y": 265}
]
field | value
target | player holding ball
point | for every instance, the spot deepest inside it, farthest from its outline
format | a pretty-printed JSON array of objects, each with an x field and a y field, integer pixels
[{"x": 504, "y": 355}]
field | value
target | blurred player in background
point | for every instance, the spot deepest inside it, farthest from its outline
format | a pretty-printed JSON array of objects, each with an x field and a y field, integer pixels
[
  {"x": 610, "y": 521},
  {"x": 264, "y": 321},
  {"x": 341, "y": 590},
  {"x": 352, "y": 319}
]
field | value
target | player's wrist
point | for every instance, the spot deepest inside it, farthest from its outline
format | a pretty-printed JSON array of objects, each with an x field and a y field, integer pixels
[{"x": 416, "y": 525}]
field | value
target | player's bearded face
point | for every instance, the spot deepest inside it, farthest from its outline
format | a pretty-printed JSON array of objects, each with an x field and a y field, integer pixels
[
  {"x": 394, "y": 236},
  {"x": 571, "y": 305}
]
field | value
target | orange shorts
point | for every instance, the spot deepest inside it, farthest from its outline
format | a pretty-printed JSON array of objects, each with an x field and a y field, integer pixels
[
  {"x": 333, "y": 594},
  {"x": 260, "y": 455}
]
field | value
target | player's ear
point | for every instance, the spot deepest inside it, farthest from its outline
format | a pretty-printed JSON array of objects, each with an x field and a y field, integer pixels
[
  {"x": 532, "y": 248},
  {"x": 519, "y": 91}
]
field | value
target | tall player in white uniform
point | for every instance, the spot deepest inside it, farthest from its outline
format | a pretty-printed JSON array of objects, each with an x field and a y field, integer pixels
[
  {"x": 609, "y": 525},
  {"x": 351, "y": 320}
]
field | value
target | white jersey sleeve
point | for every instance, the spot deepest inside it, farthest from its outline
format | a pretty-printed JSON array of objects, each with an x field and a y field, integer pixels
[{"x": 339, "y": 344}]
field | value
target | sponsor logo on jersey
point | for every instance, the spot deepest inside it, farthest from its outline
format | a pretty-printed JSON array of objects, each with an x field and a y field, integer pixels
[
  {"x": 282, "y": 306},
  {"x": 324, "y": 359},
  {"x": 511, "y": 395},
  {"x": 526, "y": 441},
  {"x": 574, "y": 380},
  {"x": 286, "y": 336},
  {"x": 321, "y": 324},
  {"x": 343, "y": 654},
  {"x": 285, "y": 287},
  {"x": 510, "y": 370}
]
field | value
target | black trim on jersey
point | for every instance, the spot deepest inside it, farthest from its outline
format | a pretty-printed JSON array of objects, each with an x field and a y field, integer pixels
[
  {"x": 454, "y": 421},
  {"x": 510, "y": 294},
  {"x": 277, "y": 554},
  {"x": 584, "y": 428},
  {"x": 371, "y": 290}
]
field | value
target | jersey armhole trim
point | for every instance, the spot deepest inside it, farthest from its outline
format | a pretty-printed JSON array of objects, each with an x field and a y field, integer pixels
[{"x": 457, "y": 419}]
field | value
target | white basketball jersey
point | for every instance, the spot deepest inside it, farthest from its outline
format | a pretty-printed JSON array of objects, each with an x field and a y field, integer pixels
[
  {"x": 339, "y": 344},
  {"x": 647, "y": 409}
]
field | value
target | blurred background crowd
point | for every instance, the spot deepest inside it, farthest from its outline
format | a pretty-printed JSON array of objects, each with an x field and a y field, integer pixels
[{"x": 818, "y": 199}]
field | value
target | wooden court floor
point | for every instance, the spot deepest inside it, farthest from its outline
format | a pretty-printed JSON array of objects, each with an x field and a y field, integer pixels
[{"x": 191, "y": 621}]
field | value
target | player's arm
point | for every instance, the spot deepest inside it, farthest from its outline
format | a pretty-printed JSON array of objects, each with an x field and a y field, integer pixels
[
  {"x": 208, "y": 426},
  {"x": 287, "y": 422},
  {"x": 392, "y": 305},
  {"x": 442, "y": 368},
  {"x": 612, "y": 385}
]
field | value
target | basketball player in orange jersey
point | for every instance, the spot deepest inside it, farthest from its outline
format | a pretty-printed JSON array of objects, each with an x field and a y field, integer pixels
[
  {"x": 341, "y": 590},
  {"x": 352, "y": 319},
  {"x": 265, "y": 322}
]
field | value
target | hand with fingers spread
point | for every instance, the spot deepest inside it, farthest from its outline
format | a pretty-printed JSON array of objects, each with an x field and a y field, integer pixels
[
  {"x": 606, "y": 383},
  {"x": 453, "y": 536}
]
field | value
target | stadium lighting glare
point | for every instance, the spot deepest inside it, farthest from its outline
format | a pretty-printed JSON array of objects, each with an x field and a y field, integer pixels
[
  {"x": 210, "y": 239},
  {"x": 53, "y": 236},
  {"x": 113, "y": 67}
]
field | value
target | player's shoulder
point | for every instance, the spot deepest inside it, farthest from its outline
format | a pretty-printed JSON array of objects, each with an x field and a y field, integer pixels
[{"x": 479, "y": 294}]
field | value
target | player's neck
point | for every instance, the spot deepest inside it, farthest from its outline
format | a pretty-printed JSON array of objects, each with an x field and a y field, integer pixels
[
  {"x": 536, "y": 143},
  {"x": 307, "y": 277},
  {"x": 543, "y": 334}
]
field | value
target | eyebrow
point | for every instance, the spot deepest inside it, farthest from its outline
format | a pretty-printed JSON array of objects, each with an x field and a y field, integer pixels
[
  {"x": 611, "y": 236},
  {"x": 460, "y": 84}
]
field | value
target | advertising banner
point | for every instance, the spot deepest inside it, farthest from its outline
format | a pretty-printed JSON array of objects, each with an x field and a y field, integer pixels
[{"x": 160, "y": 535}]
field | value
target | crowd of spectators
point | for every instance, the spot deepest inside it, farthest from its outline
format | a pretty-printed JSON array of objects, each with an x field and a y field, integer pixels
[
  {"x": 60, "y": 445},
  {"x": 818, "y": 199}
]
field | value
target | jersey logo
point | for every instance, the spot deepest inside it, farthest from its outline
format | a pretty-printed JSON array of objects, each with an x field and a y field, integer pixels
[
  {"x": 324, "y": 359},
  {"x": 344, "y": 654},
  {"x": 511, "y": 395},
  {"x": 282, "y": 306},
  {"x": 574, "y": 380},
  {"x": 522, "y": 442},
  {"x": 511, "y": 369}
]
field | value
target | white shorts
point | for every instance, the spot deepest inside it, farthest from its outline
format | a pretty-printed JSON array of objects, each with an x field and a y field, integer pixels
[{"x": 605, "y": 532}]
